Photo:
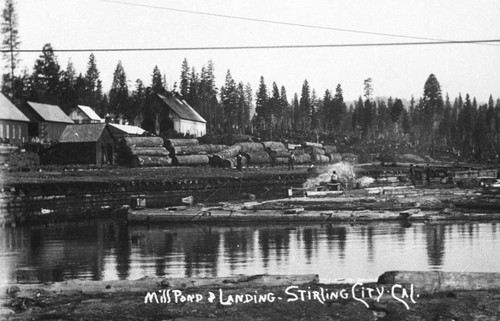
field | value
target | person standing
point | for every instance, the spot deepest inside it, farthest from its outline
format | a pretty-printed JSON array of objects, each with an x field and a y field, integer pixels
[
  {"x": 291, "y": 161},
  {"x": 239, "y": 162}
]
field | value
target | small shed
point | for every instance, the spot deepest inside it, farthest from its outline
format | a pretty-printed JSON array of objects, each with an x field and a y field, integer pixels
[
  {"x": 47, "y": 122},
  {"x": 85, "y": 115},
  {"x": 181, "y": 117},
  {"x": 13, "y": 123},
  {"x": 85, "y": 144}
]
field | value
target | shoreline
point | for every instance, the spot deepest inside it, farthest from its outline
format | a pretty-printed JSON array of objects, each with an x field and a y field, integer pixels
[{"x": 396, "y": 295}]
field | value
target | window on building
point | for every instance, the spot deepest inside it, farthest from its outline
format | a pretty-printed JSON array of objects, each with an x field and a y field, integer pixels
[
  {"x": 7, "y": 131},
  {"x": 19, "y": 129},
  {"x": 1, "y": 130}
]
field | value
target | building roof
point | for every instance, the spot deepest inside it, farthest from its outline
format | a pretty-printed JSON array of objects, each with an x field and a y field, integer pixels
[
  {"x": 82, "y": 133},
  {"x": 182, "y": 108},
  {"x": 8, "y": 111},
  {"x": 50, "y": 113},
  {"x": 90, "y": 113},
  {"x": 127, "y": 129}
]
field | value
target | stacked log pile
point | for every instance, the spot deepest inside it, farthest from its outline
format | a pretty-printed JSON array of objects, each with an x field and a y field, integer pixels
[
  {"x": 189, "y": 152},
  {"x": 145, "y": 151}
]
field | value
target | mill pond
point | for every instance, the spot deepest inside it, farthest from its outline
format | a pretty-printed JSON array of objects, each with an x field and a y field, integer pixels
[{"x": 105, "y": 250}]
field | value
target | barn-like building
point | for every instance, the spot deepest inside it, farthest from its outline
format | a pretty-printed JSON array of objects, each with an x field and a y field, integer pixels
[{"x": 13, "y": 123}]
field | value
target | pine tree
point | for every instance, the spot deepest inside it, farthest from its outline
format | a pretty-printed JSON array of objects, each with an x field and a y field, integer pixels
[
  {"x": 184, "y": 84},
  {"x": 285, "y": 115},
  {"x": 118, "y": 95},
  {"x": 157, "y": 84},
  {"x": 46, "y": 76},
  {"x": 93, "y": 85},
  {"x": 10, "y": 43},
  {"x": 305, "y": 107},
  {"x": 261, "y": 101},
  {"x": 433, "y": 103},
  {"x": 228, "y": 99}
]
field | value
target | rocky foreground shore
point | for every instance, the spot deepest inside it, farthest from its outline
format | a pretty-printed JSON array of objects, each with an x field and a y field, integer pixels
[{"x": 395, "y": 296}]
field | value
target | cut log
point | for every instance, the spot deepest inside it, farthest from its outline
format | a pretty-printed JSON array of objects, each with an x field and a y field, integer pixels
[
  {"x": 225, "y": 154},
  {"x": 314, "y": 150},
  {"x": 303, "y": 158},
  {"x": 150, "y": 161},
  {"x": 250, "y": 147},
  {"x": 181, "y": 142},
  {"x": 140, "y": 141},
  {"x": 330, "y": 149},
  {"x": 334, "y": 157},
  {"x": 149, "y": 151},
  {"x": 310, "y": 144},
  {"x": 273, "y": 145},
  {"x": 317, "y": 158},
  {"x": 261, "y": 157},
  {"x": 190, "y": 160},
  {"x": 281, "y": 152}
]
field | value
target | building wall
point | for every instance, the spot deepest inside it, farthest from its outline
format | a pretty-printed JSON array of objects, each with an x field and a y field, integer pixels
[
  {"x": 51, "y": 131},
  {"x": 190, "y": 127},
  {"x": 13, "y": 132}
]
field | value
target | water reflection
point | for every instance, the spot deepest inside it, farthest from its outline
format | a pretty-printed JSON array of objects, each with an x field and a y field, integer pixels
[{"x": 106, "y": 250}]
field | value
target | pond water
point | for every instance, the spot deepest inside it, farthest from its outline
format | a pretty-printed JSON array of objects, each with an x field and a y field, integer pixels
[{"x": 105, "y": 250}]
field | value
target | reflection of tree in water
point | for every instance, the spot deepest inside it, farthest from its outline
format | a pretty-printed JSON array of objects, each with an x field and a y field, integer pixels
[
  {"x": 435, "y": 236},
  {"x": 236, "y": 242},
  {"x": 310, "y": 239},
  {"x": 282, "y": 243},
  {"x": 164, "y": 248},
  {"x": 264, "y": 240},
  {"x": 337, "y": 235},
  {"x": 123, "y": 252},
  {"x": 200, "y": 251},
  {"x": 369, "y": 242}
]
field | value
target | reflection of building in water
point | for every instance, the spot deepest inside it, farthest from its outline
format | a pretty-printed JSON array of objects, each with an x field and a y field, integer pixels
[
  {"x": 201, "y": 251},
  {"x": 435, "y": 237},
  {"x": 310, "y": 239}
]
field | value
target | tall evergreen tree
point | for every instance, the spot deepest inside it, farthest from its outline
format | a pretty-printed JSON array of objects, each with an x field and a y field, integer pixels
[
  {"x": 228, "y": 99},
  {"x": 305, "y": 107},
  {"x": 93, "y": 85},
  {"x": 433, "y": 104},
  {"x": 46, "y": 76},
  {"x": 261, "y": 102},
  {"x": 10, "y": 43},
  {"x": 118, "y": 95},
  {"x": 184, "y": 83}
]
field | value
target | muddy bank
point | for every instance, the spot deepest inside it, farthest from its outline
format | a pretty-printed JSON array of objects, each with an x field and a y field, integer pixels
[{"x": 396, "y": 296}]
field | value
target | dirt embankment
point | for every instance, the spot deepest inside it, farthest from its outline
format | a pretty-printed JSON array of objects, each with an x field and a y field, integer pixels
[{"x": 251, "y": 298}]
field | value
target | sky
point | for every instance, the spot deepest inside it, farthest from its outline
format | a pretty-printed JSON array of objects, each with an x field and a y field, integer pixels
[{"x": 397, "y": 71}]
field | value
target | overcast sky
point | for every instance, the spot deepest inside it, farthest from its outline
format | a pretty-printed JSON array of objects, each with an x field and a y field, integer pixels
[{"x": 396, "y": 71}]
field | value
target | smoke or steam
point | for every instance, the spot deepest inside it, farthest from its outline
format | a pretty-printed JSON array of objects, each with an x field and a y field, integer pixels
[{"x": 345, "y": 172}]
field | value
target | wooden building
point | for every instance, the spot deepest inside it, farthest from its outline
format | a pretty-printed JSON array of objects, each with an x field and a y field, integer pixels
[
  {"x": 13, "y": 123},
  {"x": 85, "y": 115},
  {"x": 47, "y": 122},
  {"x": 177, "y": 115},
  {"x": 85, "y": 144}
]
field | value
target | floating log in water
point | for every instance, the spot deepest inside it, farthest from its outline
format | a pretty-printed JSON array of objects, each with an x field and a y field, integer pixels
[
  {"x": 248, "y": 147},
  {"x": 181, "y": 142},
  {"x": 258, "y": 157},
  {"x": 226, "y": 154},
  {"x": 190, "y": 160},
  {"x": 273, "y": 145},
  {"x": 310, "y": 144},
  {"x": 140, "y": 141},
  {"x": 143, "y": 161},
  {"x": 149, "y": 151}
]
